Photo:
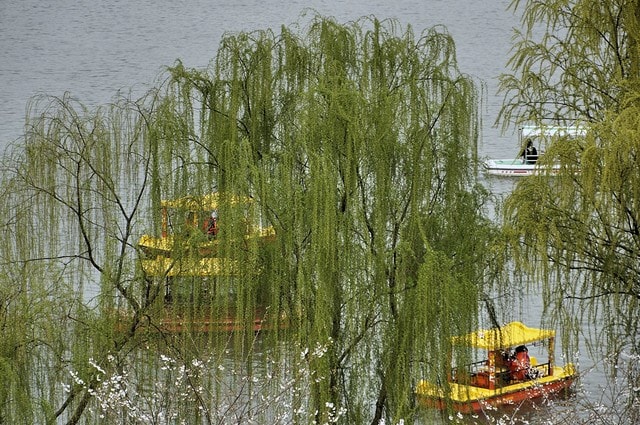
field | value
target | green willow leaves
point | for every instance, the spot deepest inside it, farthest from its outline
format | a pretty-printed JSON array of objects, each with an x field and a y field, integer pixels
[
  {"x": 574, "y": 60},
  {"x": 356, "y": 142},
  {"x": 578, "y": 62}
]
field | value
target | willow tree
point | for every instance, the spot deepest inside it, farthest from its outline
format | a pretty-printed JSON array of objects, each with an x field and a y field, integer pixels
[
  {"x": 356, "y": 142},
  {"x": 73, "y": 196},
  {"x": 574, "y": 60},
  {"x": 580, "y": 230}
]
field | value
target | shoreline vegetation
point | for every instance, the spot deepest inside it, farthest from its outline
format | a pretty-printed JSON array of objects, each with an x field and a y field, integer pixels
[{"x": 357, "y": 144}]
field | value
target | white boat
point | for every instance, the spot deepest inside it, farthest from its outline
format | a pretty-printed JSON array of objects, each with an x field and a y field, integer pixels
[{"x": 540, "y": 136}]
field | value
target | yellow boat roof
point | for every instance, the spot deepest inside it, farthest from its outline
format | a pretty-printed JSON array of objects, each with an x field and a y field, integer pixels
[
  {"x": 509, "y": 335},
  {"x": 210, "y": 201}
]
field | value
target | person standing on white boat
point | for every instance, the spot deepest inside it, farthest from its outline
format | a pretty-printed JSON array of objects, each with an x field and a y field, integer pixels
[{"x": 530, "y": 153}]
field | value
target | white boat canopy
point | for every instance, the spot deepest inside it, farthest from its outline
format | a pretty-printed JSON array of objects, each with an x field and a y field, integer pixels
[{"x": 536, "y": 131}]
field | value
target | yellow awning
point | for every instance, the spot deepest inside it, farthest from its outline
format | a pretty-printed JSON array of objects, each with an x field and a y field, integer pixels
[
  {"x": 509, "y": 335},
  {"x": 207, "y": 202},
  {"x": 165, "y": 266}
]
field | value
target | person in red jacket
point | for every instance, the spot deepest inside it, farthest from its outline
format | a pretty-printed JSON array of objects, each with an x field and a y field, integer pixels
[
  {"x": 521, "y": 365},
  {"x": 211, "y": 226}
]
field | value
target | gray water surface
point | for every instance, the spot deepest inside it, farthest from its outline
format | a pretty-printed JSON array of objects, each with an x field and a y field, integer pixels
[{"x": 94, "y": 49}]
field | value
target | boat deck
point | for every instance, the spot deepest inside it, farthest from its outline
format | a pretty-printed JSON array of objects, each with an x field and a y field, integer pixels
[
  {"x": 515, "y": 167},
  {"x": 468, "y": 397}
]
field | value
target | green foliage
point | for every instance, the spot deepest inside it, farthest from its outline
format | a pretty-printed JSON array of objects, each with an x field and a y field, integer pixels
[
  {"x": 356, "y": 142},
  {"x": 359, "y": 147},
  {"x": 577, "y": 233},
  {"x": 573, "y": 60}
]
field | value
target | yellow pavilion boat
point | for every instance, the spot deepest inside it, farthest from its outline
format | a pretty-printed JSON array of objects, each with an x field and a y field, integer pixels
[
  {"x": 189, "y": 241},
  {"x": 197, "y": 259},
  {"x": 499, "y": 378}
]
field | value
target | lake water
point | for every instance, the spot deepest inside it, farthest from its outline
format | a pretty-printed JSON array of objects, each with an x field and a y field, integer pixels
[{"x": 94, "y": 49}]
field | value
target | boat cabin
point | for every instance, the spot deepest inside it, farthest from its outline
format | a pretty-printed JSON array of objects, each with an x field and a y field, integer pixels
[
  {"x": 501, "y": 366},
  {"x": 190, "y": 230}
]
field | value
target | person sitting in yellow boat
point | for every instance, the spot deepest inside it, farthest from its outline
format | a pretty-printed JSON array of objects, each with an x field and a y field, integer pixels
[
  {"x": 520, "y": 366},
  {"x": 211, "y": 226}
]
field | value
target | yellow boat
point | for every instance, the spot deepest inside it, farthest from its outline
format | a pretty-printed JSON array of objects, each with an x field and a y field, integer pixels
[
  {"x": 188, "y": 244},
  {"x": 499, "y": 379}
]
